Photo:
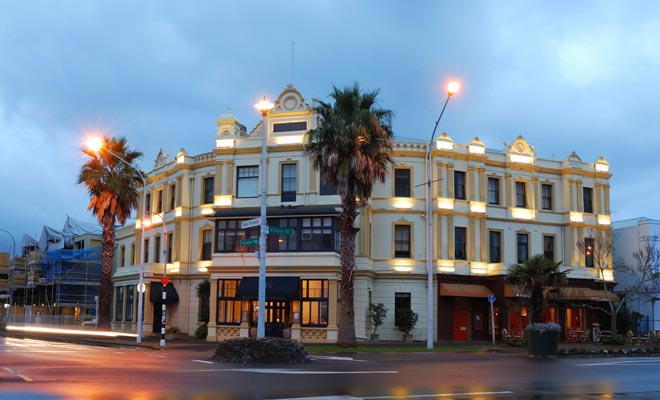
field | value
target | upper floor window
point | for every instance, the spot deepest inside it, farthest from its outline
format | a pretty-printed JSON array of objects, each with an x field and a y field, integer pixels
[
  {"x": 326, "y": 189},
  {"x": 247, "y": 181},
  {"x": 122, "y": 256},
  {"x": 587, "y": 198},
  {"x": 549, "y": 247},
  {"x": 589, "y": 252},
  {"x": 290, "y": 126},
  {"x": 208, "y": 190},
  {"x": 521, "y": 194},
  {"x": 495, "y": 247},
  {"x": 459, "y": 185},
  {"x": 146, "y": 250},
  {"x": 546, "y": 197},
  {"x": 522, "y": 245},
  {"x": 494, "y": 191},
  {"x": 402, "y": 241},
  {"x": 170, "y": 246},
  {"x": 157, "y": 250},
  {"x": 159, "y": 201},
  {"x": 207, "y": 244},
  {"x": 288, "y": 182},
  {"x": 401, "y": 182},
  {"x": 172, "y": 196},
  {"x": 460, "y": 243},
  {"x": 147, "y": 200}
]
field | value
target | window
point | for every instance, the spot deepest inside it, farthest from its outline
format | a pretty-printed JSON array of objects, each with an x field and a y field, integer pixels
[
  {"x": 459, "y": 244},
  {"x": 326, "y": 188},
  {"x": 247, "y": 181},
  {"x": 119, "y": 303},
  {"x": 170, "y": 242},
  {"x": 521, "y": 194},
  {"x": 495, "y": 247},
  {"x": 546, "y": 197},
  {"x": 549, "y": 247},
  {"x": 229, "y": 307},
  {"x": 148, "y": 201},
  {"x": 288, "y": 182},
  {"x": 122, "y": 256},
  {"x": 587, "y": 198},
  {"x": 494, "y": 191},
  {"x": 309, "y": 234},
  {"x": 402, "y": 241},
  {"x": 159, "y": 202},
  {"x": 401, "y": 306},
  {"x": 130, "y": 302},
  {"x": 133, "y": 260},
  {"x": 401, "y": 182},
  {"x": 157, "y": 251},
  {"x": 589, "y": 252},
  {"x": 207, "y": 244},
  {"x": 208, "y": 190},
  {"x": 290, "y": 126},
  {"x": 459, "y": 185},
  {"x": 522, "y": 244},
  {"x": 146, "y": 250},
  {"x": 314, "y": 302},
  {"x": 172, "y": 196}
]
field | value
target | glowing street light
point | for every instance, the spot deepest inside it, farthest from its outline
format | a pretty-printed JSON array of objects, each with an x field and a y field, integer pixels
[
  {"x": 263, "y": 106},
  {"x": 452, "y": 88},
  {"x": 96, "y": 144}
]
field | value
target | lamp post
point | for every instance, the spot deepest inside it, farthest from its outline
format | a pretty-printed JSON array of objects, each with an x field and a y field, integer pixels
[
  {"x": 10, "y": 287},
  {"x": 164, "y": 280},
  {"x": 452, "y": 88},
  {"x": 95, "y": 144},
  {"x": 263, "y": 106}
]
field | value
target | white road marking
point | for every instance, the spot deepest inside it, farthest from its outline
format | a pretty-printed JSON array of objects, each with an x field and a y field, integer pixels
[
  {"x": 159, "y": 356},
  {"x": 335, "y": 358},
  {"x": 203, "y": 361},
  {"x": 17, "y": 373},
  {"x": 634, "y": 361},
  {"x": 290, "y": 371},
  {"x": 413, "y": 396}
]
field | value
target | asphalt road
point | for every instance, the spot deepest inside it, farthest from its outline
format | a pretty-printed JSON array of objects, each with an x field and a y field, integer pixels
[{"x": 49, "y": 370}]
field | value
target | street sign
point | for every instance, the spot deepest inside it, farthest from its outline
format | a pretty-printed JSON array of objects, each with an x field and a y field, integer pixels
[
  {"x": 280, "y": 230},
  {"x": 147, "y": 274},
  {"x": 250, "y": 223},
  {"x": 250, "y": 242},
  {"x": 491, "y": 298}
]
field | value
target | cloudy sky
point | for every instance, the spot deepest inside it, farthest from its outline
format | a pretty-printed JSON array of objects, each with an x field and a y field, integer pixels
[{"x": 566, "y": 75}]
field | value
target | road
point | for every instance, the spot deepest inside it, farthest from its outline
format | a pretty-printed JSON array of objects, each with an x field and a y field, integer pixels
[{"x": 49, "y": 370}]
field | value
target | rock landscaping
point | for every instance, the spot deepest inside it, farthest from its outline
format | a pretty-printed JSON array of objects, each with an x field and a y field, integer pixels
[{"x": 266, "y": 350}]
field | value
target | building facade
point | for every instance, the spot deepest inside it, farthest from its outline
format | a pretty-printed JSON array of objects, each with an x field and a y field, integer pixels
[{"x": 490, "y": 208}]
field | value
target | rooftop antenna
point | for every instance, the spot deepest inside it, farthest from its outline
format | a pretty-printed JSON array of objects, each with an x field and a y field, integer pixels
[{"x": 292, "y": 47}]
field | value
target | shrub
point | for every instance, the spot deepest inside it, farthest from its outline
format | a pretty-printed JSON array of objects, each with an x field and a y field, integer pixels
[
  {"x": 517, "y": 342},
  {"x": 617, "y": 340},
  {"x": 407, "y": 321},
  {"x": 201, "y": 332},
  {"x": 377, "y": 314},
  {"x": 543, "y": 326}
]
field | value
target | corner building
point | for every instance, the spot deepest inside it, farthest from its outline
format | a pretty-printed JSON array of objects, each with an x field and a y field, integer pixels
[{"x": 490, "y": 209}]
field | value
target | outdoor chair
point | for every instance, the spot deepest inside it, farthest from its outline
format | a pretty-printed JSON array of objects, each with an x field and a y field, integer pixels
[
  {"x": 571, "y": 336},
  {"x": 506, "y": 337}
]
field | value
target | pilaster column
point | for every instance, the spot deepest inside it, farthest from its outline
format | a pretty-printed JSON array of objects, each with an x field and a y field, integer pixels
[
  {"x": 580, "y": 198},
  {"x": 508, "y": 187},
  {"x": 230, "y": 178},
  {"x": 483, "y": 240},
  {"x": 471, "y": 240},
  {"x": 471, "y": 192},
  {"x": 450, "y": 181},
  {"x": 606, "y": 194},
  {"x": 450, "y": 237},
  {"x": 580, "y": 260},
  {"x": 597, "y": 198},
  {"x": 482, "y": 183},
  {"x": 535, "y": 194}
]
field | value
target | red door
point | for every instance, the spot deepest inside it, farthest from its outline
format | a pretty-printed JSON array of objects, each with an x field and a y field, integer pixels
[{"x": 460, "y": 321}]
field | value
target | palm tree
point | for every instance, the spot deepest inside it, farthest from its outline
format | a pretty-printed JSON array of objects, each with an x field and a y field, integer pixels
[
  {"x": 112, "y": 185},
  {"x": 532, "y": 277},
  {"x": 351, "y": 148}
]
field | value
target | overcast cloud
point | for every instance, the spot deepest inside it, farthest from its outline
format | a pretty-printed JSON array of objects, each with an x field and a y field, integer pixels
[{"x": 568, "y": 76}]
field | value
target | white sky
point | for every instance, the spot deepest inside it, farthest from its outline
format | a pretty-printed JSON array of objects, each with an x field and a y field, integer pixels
[{"x": 566, "y": 75}]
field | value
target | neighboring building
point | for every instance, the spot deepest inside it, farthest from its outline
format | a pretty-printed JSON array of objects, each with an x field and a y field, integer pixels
[
  {"x": 4, "y": 278},
  {"x": 491, "y": 209},
  {"x": 628, "y": 236}
]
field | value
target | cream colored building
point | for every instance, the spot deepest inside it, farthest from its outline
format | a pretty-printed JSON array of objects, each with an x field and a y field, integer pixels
[{"x": 491, "y": 208}]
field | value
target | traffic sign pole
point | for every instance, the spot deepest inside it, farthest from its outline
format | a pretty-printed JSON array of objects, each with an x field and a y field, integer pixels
[{"x": 491, "y": 300}]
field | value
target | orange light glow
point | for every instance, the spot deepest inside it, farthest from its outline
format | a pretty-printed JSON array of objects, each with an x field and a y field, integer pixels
[
  {"x": 94, "y": 143},
  {"x": 264, "y": 105},
  {"x": 453, "y": 87},
  {"x": 68, "y": 331}
]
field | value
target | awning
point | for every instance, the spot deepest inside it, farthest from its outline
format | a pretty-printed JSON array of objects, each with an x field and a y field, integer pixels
[
  {"x": 464, "y": 290},
  {"x": 277, "y": 288},
  {"x": 578, "y": 293},
  {"x": 282, "y": 211},
  {"x": 511, "y": 291},
  {"x": 156, "y": 293}
]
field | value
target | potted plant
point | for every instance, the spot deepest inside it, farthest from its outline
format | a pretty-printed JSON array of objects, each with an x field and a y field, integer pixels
[
  {"x": 531, "y": 278},
  {"x": 406, "y": 320},
  {"x": 377, "y": 314}
]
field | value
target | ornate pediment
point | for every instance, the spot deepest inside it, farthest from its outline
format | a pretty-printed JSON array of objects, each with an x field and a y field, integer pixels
[
  {"x": 161, "y": 159},
  {"x": 290, "y": 100}
]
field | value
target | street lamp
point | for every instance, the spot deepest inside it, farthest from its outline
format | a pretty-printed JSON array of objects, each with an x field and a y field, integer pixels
[
  {"x": 164, "y": 280},
  {"x": 452, "y": 88},
  {"x": 263, "y": 106},
  {"x": 95, "y": 144},
  {"x": 10, "y": 288}
]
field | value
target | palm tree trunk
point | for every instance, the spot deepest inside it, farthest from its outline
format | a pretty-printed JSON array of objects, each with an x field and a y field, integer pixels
[
  {"x": 104, "y": 316},
  {"x": 536, "y": 301},
  {"x": 346, "y": 334}
]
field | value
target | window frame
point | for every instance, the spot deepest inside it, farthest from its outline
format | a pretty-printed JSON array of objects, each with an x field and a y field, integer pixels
[
  {"x": 401, "y": 241},
  {"x": 310, "y": 304},
  {"x": 547, "y": 198},
  {"x": 459, "y": 187},
  {"x": 172, "y": 196},
  {"x": 402, "y": 182},
  {"x": 288, "y": 181},
  {"x": 251, "y": 177},
  {"x": 326, "y": 189},
  {"x": 491, "y": 247},
  {"x": 206, "y": 253},
  {"x": 494, "y": 191},
  {"x": 521, "y": 196},
  {"x": 208, "y": 183},
  {"x": 588, "y": 204},
  {"x": 589, "y": 252},
  {"x": 460, "y": 246},
  {"x": 232, "y": 304},
  {"x": 549, "y": 239},
  {"x": 402, "y": 303},
  {"x": 520, "y": 245}
]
